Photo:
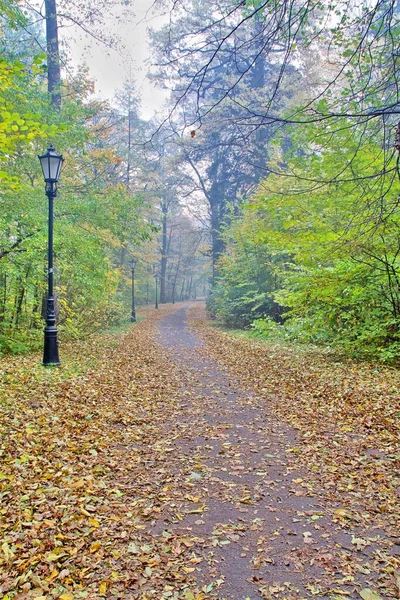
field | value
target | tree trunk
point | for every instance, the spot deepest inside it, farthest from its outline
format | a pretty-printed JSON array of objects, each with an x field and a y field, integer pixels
[
  {"x": 53, "y": 54},
  {"x": 4, "y": 297},
  {"x": 175, "y": 279},
  {"x": 217, "y": 241},
  {"x": 190, "y": 287},
  {"x": 182, "y": 289},
  {"x": 164, "y": 253},
  {"x": 18, "y": 299}
]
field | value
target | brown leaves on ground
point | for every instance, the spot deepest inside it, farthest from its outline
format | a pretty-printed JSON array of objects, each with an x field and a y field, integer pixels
[
  {"x": 112, "y": 468},
  {"x": 83, "y": 472},
  {"x": 347, "y": 416}
]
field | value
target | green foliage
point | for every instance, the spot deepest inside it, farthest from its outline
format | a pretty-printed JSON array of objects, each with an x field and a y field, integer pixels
[
  {"x": 21, "y": 109},
  {"x": 96, "y": 217},
  {"x": 331, "y": 243},
  {"x": 12, "y": 14},
  {"x": 266, "y": 328},
  {"x": 248, "y": 278}
]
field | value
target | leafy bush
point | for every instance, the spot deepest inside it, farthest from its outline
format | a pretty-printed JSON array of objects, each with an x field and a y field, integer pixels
[{"x": 324, "y": 261}]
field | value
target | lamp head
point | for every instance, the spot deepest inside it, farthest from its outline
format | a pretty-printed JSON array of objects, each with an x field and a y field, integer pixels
[{"x": 51, "y": 164}]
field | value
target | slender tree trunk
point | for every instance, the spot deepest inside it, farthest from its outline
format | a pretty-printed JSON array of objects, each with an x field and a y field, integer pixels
[
  {"x": 182, "y": 289},
  {"x": 36, "y": 308},
  {"x": 128, "y": 162},
  {"x": 18, "y": 304},
  {"x": 122, "y": 257},
  {"x": 164, "y": 252},
  {"x": 190, "y": 287},
  {"x": 176, "y": 278},
  {"x": 53, "y": 54},
  {"x": 217, "y": 241},
  {"x": 3, "y": 298}
]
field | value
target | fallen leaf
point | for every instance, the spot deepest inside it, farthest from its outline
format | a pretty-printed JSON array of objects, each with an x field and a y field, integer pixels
[{"x": 368, "y": 594}]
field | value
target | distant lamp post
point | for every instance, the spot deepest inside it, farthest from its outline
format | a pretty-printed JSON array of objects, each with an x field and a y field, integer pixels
[
  {"x": 156, "y": 278},
  {"x": 133, "y": 313},
  {"x": 51, "y": 164}
]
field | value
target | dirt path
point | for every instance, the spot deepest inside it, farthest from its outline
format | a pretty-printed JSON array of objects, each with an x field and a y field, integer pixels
[{"x": 259, "y": 532}]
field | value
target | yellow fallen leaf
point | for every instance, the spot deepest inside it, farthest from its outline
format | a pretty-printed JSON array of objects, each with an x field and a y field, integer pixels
[
  {"x": 78, "y": 484},
  {"x": 52, "y": 557},
  {"x": 368, "y": 594},
  {"x": 341, "y": 513},
  {"x": 103, "y": 588},
  {"x": 196, "y": 511},
  {"x": 94, "y": 522},
  {"x": 52, "y": 575},
  {"x": 188, "y": 569},
  {"x": 8, "y": 553},
  {"x": 94, "y": 547},
  {"x": 192, "y": 498}
]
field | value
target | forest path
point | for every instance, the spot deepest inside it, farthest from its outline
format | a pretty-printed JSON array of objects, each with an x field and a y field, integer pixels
[
  {"x": 260, "y": 534},
  {"x": 143, "y": 469}
]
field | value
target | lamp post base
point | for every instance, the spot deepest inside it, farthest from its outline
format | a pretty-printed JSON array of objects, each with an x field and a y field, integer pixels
[
  {"x": 50, "y": 352},
  {"x": 133, "y": 317}
]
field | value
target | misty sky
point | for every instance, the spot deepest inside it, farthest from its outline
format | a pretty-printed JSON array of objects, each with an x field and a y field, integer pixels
[{"x": 111, "y": 67}]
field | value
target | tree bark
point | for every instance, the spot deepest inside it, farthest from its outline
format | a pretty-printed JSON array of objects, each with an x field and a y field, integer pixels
[{"x": 53, "y": 54}]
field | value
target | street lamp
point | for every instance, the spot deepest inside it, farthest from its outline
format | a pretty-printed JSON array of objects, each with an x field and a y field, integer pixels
[
  {"x": 133, "y": 313},
  {"x": 156, "y": 278},
  {"x": 51, "y": 164}
]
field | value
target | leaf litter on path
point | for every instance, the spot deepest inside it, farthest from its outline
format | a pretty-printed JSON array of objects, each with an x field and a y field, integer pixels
[
  {"x": 151, "y": 475},
  {"x": 84, "y": 473},
  {"x": 346, "y": 418}
]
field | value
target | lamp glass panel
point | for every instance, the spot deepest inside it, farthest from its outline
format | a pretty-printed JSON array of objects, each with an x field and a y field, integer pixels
[
  {"x": 60, "y": 167},
  {"x": 44, "y": 161},
  {"x": 55, "y": 166}
]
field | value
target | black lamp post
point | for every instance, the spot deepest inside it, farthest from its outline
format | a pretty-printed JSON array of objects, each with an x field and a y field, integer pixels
[
  {"x": 51, "y": 164},
  {"x": 156, "y": 278},
  {"x": 133, "y": 313}
]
